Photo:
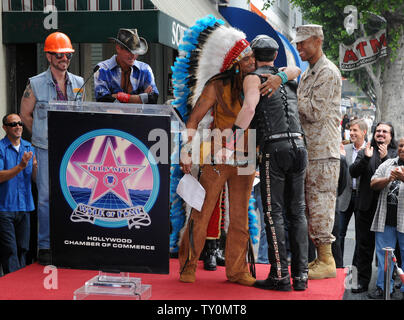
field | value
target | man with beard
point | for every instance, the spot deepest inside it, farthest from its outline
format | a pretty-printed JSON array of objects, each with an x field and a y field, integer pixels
[
  {"x": 56, "y": 83},
  {"x": 379, "y": 149}
]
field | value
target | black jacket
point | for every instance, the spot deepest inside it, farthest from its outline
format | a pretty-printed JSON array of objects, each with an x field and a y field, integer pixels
[{"x": 364, "y": 167}]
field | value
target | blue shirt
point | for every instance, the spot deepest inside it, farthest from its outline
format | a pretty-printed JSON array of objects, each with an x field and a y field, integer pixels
[
  {"x": 15, "y": 194},
  {"x": 107, "y": 80}
]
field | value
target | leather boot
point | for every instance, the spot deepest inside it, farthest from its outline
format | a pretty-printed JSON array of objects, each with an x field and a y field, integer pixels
[
  {"x": 325, "y": 264},
  {"x": 220, "y": 261},
  {"x": 311, "y": 264},
  {"x": 209, "y": 261},
  {"x": 244, "y": 279},
  {"x": 274, "y": 283},
  {"x": 300, "y": 282},
  {"x": 221, "y": 242},
  {"x": 188, "y": 274}
]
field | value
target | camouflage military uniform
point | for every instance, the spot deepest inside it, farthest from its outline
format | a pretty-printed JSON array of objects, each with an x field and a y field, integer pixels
[{"x": 319, "y": 98}]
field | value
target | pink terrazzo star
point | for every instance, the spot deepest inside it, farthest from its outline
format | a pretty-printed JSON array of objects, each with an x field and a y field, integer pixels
[{"x": 109, "y": 176}]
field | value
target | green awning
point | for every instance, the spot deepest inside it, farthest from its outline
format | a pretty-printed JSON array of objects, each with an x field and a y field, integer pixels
[
  {"x": 94, "y": 21},
  {"x": 90, "y": 26}
]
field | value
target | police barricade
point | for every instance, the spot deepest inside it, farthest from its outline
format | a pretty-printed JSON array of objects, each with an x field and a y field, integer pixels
[{"x": 109, "y": 169}]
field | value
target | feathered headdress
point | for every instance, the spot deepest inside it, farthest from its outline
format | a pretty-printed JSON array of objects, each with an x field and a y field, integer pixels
[{"x": 206, "y": 49}]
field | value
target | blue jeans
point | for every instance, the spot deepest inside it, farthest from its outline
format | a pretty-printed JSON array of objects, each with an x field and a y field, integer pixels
[
  {"x": 14, "y": 240},
  {"x": 42, "y": 182},
  {"x": 388, "y": 238}
]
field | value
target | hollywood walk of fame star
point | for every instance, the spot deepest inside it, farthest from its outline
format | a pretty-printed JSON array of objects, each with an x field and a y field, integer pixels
[{"x": 109, "y": 175}]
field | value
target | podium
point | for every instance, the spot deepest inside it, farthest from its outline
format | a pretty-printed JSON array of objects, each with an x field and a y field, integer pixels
[{"x": 109, "y": 192}]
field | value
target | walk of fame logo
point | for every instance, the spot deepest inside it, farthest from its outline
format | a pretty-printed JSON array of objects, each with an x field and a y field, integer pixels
[{"x": 109, "y": 179}]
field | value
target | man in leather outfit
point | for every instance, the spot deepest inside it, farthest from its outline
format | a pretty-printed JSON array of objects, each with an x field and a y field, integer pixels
[{"x": 283, "y": 159}]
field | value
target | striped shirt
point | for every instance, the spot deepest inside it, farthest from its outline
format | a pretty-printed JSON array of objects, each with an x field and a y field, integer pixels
[{"x": 380, "y": 216}]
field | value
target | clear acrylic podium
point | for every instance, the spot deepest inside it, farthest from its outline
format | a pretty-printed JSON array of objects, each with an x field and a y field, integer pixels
[
  {"x": 119, "y": 285},
  {"x": 100, "y": 107},
  {"x": 108, "y": 286}
]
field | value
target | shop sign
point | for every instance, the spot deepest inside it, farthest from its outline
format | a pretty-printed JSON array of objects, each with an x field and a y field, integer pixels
[{"x": 363, "y": 51}]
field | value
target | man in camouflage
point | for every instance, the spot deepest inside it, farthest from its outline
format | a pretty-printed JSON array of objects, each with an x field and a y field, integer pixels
[{"x": 319, "y": 97}]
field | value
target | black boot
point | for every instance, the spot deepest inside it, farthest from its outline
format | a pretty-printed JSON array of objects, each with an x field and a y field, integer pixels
[
  {"x": 209, "y": 260},
  {"x": 221, "y": 245},
  {"x": 300, "y": 281},
  {"x": 220, "y": 258},
  {"x": 273, "y": 283}
]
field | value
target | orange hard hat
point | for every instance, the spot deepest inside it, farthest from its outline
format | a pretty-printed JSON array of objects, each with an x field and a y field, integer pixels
[{"x": 58, "y": 42}]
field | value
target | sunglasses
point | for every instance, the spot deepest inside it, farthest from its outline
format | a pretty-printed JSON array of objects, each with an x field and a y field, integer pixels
[
  {"x": 14, "y": 124},
  {"x": 59, "y": 56}
]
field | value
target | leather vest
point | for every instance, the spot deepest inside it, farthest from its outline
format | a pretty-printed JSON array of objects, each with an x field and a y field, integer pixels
[{"x": 278, "y": 113}]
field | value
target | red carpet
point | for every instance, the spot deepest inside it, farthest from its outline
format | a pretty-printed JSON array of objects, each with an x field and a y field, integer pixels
[{"x": 28, "y": 284}]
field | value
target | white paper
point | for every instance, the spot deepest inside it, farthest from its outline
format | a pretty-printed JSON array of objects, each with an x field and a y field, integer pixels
[
  {"x": 191, "y": 191},
  {"x": 256, "y": 181}
]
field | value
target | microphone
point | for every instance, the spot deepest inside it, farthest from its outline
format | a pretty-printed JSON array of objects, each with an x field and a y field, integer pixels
[{"x": 94, "y": 71}]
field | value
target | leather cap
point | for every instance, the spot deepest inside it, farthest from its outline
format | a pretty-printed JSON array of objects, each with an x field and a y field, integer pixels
[{"x": 263, "y": 41}]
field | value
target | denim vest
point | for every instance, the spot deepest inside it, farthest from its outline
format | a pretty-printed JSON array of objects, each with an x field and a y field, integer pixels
[{"x": 45, "y": 90}]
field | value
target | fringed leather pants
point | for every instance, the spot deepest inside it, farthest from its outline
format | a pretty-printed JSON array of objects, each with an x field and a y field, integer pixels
[{"x": 213, "y": 178}]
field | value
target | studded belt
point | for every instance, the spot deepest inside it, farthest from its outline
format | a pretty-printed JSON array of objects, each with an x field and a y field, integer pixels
[{"x": 284, "y": 135}]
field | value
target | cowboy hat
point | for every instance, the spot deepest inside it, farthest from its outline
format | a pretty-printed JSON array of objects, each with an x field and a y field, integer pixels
[{"x": 129, "y": 39}]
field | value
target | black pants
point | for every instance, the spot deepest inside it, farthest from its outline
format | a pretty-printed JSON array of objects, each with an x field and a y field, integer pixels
[
  {"x": 366, "y": 245},
  {"x": 282, "y": 174},
  {"x": 345, "y": 217},
  {"x": 336, "y": 245}
]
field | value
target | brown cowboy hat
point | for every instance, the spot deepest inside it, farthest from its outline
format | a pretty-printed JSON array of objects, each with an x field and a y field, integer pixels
[{"x": 129, "y": 39}]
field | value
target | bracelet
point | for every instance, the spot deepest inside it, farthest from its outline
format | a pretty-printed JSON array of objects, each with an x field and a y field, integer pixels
[
  {"x": 123, "y": 97},
  {"x": 283, "y": 76}
]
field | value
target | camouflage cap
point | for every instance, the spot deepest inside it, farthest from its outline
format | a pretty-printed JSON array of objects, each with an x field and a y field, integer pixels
[{"x": 306, "y": 31}]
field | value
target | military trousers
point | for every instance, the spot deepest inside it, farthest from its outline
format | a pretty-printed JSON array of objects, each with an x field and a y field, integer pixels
[{"x": 321, "y": 194}]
